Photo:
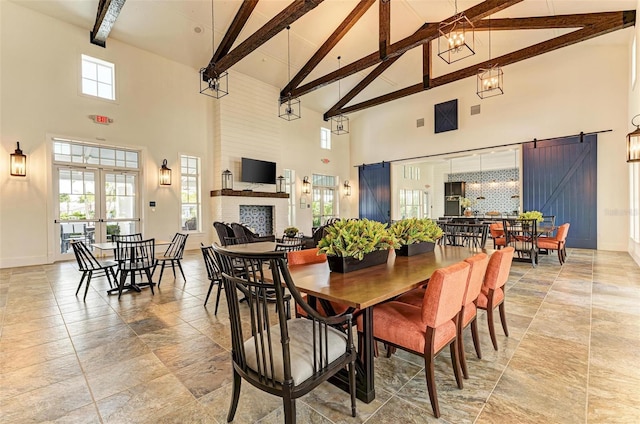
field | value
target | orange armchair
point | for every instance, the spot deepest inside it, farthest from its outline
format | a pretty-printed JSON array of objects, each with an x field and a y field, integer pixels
[
  {"x": 492, "y": 292},
  {"x": 497, "y": 234},
  {"x": 428, "y": 329},
  {"x": 556, "y": 243}
]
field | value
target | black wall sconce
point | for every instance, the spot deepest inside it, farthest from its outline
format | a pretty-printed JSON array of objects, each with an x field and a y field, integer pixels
[
  {"x": 165, "y": 174},
  {"x": 227, "y": 180},
  {"x": 633, "y": 143},
  {"x": 280, "y": 186},
  {"x": 18, "y": 165},
  {"x": 306, "y": 185},
  {"x": 347, "y": 188}
]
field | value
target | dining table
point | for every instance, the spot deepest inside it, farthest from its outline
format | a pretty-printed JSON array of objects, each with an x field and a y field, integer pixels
[{"x": 365, "y": 288}]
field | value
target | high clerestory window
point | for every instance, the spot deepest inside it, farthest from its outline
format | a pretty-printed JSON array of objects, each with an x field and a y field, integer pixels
[{"x": 98, "y": 78}]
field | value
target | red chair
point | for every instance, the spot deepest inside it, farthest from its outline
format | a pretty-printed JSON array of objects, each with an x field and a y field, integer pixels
[
  {"x": 492, "y": 292},
  {"x": 428, "y": 329},
  {"x": 556, "y": 243},
  {"x": 497, "y": 234}
]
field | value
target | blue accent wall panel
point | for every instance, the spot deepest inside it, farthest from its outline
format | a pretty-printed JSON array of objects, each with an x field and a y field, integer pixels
[
  {"x": 559, "y": 178},
  {"x": 375, "y": 191}
]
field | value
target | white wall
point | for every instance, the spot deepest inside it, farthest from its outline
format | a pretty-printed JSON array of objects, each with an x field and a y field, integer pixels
[
  {"x": 634, "y": 109},
  {"x": 579, "y": 88}
]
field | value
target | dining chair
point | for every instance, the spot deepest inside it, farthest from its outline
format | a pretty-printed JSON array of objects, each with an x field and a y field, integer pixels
[
  {"x": 558, "y": 242},
  {"x": 497, "y": 235},
  {"x": 492, "y": 293},
  {"x": 135, "y": 256},
  {"x": 173, "y": 255},
  {"x": 88, "y": 264},
  {"x": 213, "y": 274},
  {"x": 115, "y": 238},
  {"x": 224, "y": 231},
  {"x": 284, "y": 357},
  {"x": 522, "y": 235},
  {"x": 428, "y": 329}
]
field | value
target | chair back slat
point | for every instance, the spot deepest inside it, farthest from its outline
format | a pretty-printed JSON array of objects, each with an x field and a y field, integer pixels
[
  {"x": 137, "y": 254},
  {"x": 175, "y": 250},
  {"x": 213, "y": 272},
  {"x": 84, "y": 257}
]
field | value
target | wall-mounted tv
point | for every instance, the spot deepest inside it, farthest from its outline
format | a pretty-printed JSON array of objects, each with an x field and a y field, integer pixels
[{"x": 258, "y": 171}]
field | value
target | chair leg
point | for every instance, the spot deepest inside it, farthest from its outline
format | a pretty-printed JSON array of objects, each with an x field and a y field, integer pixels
[
  {"x": 455, "y": 362},
  {"x": 86, "y": 288},
  {"x": 476, "y": 339},
  {"x": 148, "y": 272},
  {"x": 503, "y": 319},
  {"x": 218, "y": 297},
  {"x": 235, "y": 396},
  {"x": 84, "y": 274},
  {"x": 173, "y": 268},
  {"x": 352, "y": 387},
  {"x": 181, "y": 271},
  {"x": 289, "y": 409},
  {"x": 123, "y": 278},
  {"x": 431, "y": 383},
  {"x": 492, "y": 330},
  {"x": 161, "y": 271},
  {"x": 206, "y": 299},
  {"x": 461, "y": 355}
]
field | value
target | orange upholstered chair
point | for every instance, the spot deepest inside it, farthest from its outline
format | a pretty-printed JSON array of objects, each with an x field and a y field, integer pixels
[
  {"x": 492, "y": 293},
  {"x": 428, "y": 329},
  {"x": 556, "y": 243},
  {"x": 305, "y": 257},
  {"x": 497, "y": 234}
]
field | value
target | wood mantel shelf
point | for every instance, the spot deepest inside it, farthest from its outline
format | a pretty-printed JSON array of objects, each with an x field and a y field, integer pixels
[{"x": 248, "y": 193}]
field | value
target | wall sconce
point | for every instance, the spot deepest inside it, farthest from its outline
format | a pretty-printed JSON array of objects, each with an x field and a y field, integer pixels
[
  {"x": 227, "y": 180},
  {"x": 633, "y": 143},
  {"x": 306, "y": 185},
  {"x": 280, "y": 184},
  {"x": 165, "y": 174},
  {"x": 347, "y": 188},
  {"x": 18, "y": 162}
]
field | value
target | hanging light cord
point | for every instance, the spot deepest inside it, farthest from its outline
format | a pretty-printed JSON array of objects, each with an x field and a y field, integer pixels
[
  {"x": 288, "y": 54},
  {"x": 339, "y": 92},
  {"x": 213, "y": 32}
]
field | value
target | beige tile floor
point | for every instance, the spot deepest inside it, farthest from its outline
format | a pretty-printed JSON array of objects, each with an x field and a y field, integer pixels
[{"x": 572, "y": 357}]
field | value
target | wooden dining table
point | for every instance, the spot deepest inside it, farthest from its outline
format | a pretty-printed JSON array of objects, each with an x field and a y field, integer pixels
[{"x": 365, "y": 288}]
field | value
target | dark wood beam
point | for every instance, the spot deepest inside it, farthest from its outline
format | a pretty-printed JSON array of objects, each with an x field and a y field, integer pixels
[
  {"x": 367, "y": 80},
  {"x": 426, "y": 66},
  {"x": 329, "y": 44},
  {"x": 289, "y": 15},
  {"x": 244, "y": 12},
  {"x": 384, "y": 27},
  {"x": 474, "y": 13},
  {"x": 544, "y": 22},
  {"x": 108, "y": 11},
  {"x": 614, "y": 22}
]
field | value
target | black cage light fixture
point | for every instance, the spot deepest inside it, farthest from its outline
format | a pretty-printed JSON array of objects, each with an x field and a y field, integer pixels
[
  {"x": 306, "y": 185},
  {"x": 214, "y": 85},
  {"x": 490, "y": 80},
  {"x": 339, "y": 123},
  {"x": 456, "y": 38},
  {"x": 289, "y": 106},
  {"x": 18, "y": 162},
  {"x": 347, "y": 188},
  {"x": 165, "y": 174},
  {"x": 227, "y": 180},
  {"x": 280, "y": 184},
  {"x": 633, "y": 143}
]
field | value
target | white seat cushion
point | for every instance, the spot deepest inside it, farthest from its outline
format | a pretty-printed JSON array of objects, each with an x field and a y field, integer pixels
[{"x": 300, "y": 349}]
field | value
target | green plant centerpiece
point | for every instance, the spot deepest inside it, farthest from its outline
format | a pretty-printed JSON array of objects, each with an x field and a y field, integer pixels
[
  {"x": 290, "y": 231},
  {"x": 356, "y": 244},
  {"x": 537, "y": 215},
  {"x": 415, "y": 235}
]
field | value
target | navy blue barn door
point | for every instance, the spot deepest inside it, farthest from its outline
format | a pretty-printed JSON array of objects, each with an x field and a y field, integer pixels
[
  {"x": 560, "y": 178},
  {"x": 375, "y": 192}
]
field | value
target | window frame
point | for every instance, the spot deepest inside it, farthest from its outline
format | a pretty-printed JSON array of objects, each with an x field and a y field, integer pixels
[
  {"x": 325, "y": 138},
  {"x": 197, "y": 191},
  {"x": 97, "y": 62}
]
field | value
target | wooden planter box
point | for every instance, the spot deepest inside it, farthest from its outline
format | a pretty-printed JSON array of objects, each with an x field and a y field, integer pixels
[
  {"x": 415, "y": 248},
  {"x": 349, "y": 264}
]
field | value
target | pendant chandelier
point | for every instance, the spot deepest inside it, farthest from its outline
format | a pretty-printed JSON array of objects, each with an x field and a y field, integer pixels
[
  {"x": 340, "y": 123},
  {"x": 289, "y": 107},
  {"x": 489, "y": 79},
  {"x": 216, "y": 85},
  {"x": 456, "y": 38}
]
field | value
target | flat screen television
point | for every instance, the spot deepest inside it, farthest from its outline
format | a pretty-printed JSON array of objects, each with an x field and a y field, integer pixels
[{"x": 258, "y": 171}]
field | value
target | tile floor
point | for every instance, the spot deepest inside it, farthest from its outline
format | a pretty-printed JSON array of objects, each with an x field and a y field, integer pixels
[{"x": 572, "y": 357}]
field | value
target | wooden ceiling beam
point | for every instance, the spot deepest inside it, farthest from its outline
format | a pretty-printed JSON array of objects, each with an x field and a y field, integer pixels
[
  {"x": 108, "y": 11},
  {"x": 329, "y": 44},
  {"x": 384, "y": 27},
  {"x": 426, "y": 66},
  {"x": 544, "y": 22},
  {"x": 614, "y": 22},
  {"x": 474, "y": 13},
  {"x": 290, "y": 14},
  {"x": 241, "y": 18}
]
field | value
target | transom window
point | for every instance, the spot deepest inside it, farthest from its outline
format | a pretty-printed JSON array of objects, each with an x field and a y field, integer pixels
[
  {"x": 411, "y": 172},
  {"x": 98, "y": 78},
  {"x": 325, "y": 138},
  {"x": 68, "y": 151},
  {"x": 190, "y": 192}
]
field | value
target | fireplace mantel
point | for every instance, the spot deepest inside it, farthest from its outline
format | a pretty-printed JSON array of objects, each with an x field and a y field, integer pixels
[{"x": 248, "y": 193}]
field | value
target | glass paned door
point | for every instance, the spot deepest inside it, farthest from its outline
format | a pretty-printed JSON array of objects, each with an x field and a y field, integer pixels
[
  {"x": 76, "y": 208},
  {"x": 121, "y": 204}
]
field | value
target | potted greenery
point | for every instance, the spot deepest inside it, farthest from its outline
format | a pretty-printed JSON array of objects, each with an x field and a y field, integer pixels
[
  {"x": 290, "y": 231},
  {"x": 355, "y": 244},
  {"x": 466, "y": 204},
  {"x": 537, "y": 215},
  {"x": 415, "y": 235}
]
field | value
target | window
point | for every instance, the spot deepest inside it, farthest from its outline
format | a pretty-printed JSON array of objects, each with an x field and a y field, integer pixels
[
  {"x": 325, "y": 138},
  {"x": 323, "y": 199},
  {"x": 75, "y": 152},
  {"x": 290, "y": 188},
  {"x": 190, "y": 192},
  {"x": 98, "y": 78},
  {"x": 411, "y": 172},
  {"x": 411, "y": 204}
]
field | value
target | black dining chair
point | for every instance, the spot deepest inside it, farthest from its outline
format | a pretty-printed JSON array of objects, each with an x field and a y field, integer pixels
[
  {"x": 135, "y": 256},
  {"x": 89, "y": 265},
  {"x": 213, "y": 274},
  {"x": 284, "y": 357},
  {"x": 173, "y": 255}
]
